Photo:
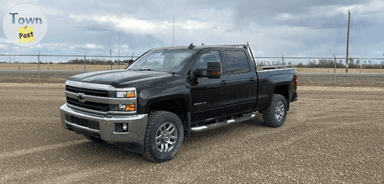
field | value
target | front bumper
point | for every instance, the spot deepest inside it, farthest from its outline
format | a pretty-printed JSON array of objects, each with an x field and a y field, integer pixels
[{"x": 137, "y": 125}]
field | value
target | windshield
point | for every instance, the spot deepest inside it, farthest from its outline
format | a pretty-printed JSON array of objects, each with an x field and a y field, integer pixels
[{"x": 163, "y": 60}]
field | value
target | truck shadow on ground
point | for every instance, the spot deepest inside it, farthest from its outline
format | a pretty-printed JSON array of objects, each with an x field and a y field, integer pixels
[{"x": 117, "y": 153}]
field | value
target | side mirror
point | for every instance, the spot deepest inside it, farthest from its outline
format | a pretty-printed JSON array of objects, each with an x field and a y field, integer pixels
[{"x": 213, "y": 71}]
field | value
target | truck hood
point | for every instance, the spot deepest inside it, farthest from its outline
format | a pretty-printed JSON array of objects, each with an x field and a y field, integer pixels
[{"x": 117, "y": 78}]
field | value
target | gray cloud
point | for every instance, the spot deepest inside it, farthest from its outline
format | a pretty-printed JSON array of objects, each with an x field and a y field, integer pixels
[{"x": 295, "y": 28}]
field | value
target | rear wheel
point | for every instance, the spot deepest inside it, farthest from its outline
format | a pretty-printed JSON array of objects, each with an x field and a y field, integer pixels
[
  {"x": 164, "y": 136},
  {"x": 276, "y": 113}
]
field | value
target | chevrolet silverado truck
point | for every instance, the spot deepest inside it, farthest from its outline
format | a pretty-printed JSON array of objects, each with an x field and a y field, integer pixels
[{"x": 169, "y": 92}]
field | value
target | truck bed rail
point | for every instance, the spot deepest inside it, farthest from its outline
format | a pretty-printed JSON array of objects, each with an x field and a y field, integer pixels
[{"x": 274, "y": 67}]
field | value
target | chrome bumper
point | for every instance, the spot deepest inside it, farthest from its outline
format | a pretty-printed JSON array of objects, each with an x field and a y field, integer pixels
[{"x": 137, "y": 125}]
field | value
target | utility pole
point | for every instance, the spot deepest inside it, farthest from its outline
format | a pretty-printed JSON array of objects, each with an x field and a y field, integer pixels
[
  {"x": 346, "y": 59},
  {"x": 334, "y": 71},
  {"x": 38, "y": 61},
  {"x": 282, "y": 58},
  {"x": 85, "y": 62}
]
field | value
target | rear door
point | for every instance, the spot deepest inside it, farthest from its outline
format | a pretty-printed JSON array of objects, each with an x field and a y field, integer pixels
[{"x": 242, "y": 80}]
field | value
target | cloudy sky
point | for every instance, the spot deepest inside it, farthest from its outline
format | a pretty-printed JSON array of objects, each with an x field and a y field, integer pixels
[{"x": 273, "y": 27}]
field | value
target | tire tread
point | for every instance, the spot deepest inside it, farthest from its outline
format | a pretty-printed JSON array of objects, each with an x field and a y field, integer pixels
[
  {"x": 151, "y": 122},
  {"x": 269, "y": 113}
]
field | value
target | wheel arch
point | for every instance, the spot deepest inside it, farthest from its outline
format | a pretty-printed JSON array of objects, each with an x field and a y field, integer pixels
[
  {"x": 283, "y": 89},
  {"x": 178, "y": 105}
]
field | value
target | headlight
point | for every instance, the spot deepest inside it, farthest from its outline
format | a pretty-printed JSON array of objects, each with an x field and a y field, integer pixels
[
  {"x": 126, "y": 94},
  {"x": 130, "y": 107}
]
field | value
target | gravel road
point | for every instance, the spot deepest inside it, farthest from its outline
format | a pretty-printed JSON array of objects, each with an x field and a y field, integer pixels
[{"x": 330, "y": 136}]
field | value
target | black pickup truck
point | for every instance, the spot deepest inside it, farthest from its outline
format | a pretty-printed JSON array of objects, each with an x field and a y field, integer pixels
[{"x": 167, "y": 93}]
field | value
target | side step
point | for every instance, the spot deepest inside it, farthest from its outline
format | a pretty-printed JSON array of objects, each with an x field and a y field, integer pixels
[{"x": 223, "y": 123}]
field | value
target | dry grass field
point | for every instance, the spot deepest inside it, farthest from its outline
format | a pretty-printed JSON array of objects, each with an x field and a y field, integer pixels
[
  {"x": 356, "y": 80},
  {"x": 339, "y": 70},
  {"x": 330, "y": 136}
]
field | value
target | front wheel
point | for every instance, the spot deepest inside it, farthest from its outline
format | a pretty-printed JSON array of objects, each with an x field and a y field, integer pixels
[
  {"x": 164, "y": 136},
  {"x": 276, "y": 113}
]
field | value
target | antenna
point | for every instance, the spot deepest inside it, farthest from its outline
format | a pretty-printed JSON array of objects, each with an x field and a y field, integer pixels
[
  {"x": 173, "y": 31},
  {"x": 118, "y": 57},
  {"x": 110, "y": 49}
]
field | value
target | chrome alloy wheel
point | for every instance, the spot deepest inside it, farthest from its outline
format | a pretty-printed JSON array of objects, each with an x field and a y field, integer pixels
[
  {"x": 166, "y": 137},
  {"x": 279, "y": 111}
]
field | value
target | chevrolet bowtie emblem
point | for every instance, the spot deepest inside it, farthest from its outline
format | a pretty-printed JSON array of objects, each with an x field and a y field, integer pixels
[{"x": 80, "y": 97}]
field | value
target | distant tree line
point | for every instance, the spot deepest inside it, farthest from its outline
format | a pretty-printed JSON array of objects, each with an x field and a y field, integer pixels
[
  {"x": 81, "y": 61},
  {"x": 99, "y": 62}
]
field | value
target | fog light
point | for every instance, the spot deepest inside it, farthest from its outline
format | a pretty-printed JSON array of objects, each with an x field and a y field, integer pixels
[
  {"x": 121, "y": 128},
  {"x": 124, "y": 126}
]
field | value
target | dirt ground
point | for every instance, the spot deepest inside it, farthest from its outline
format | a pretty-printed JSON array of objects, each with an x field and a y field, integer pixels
[{"x": 330, "y": 136}]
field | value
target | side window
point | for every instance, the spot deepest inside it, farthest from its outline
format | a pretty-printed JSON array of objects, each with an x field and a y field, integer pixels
[
  {"x": 236, "y": 61},
  {"x": 209, "y": 56}
]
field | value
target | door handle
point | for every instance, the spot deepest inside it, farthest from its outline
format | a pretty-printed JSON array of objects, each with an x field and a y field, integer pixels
[
  {"x": 224, "y": 82},
  {"x": 252, "y": 79}
]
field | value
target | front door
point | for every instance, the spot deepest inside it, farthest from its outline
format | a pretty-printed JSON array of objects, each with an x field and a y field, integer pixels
[{"x": 207, "y": 94}]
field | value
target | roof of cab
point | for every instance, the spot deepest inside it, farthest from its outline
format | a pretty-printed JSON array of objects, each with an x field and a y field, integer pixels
[{"x": 197, "y": 47}]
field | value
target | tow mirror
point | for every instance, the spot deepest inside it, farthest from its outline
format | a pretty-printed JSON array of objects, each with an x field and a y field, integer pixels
[{"x": 213, "y": 71}]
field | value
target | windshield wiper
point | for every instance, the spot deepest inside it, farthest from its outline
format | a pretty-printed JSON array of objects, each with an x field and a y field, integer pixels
[{"x": 146, "y": 69}]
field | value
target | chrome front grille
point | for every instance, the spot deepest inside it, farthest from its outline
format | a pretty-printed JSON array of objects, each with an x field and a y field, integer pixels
[
  {"x": 97, "y": 98},
  {"x": 92, "y": 92},
  {"x": 88, "y": 105}
]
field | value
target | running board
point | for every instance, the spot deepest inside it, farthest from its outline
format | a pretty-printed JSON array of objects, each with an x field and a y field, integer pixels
[{"x": 221, "y": 124}]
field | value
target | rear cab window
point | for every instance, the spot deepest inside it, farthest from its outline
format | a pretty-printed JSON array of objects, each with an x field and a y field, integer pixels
[{"x": 236, "y": 61}]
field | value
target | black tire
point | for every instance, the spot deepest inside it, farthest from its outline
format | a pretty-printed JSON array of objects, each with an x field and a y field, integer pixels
[
  {"x": 274, "y": 115},
  {"x": 160, "y": 144},
  {"x": 93, "y": 139}
]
